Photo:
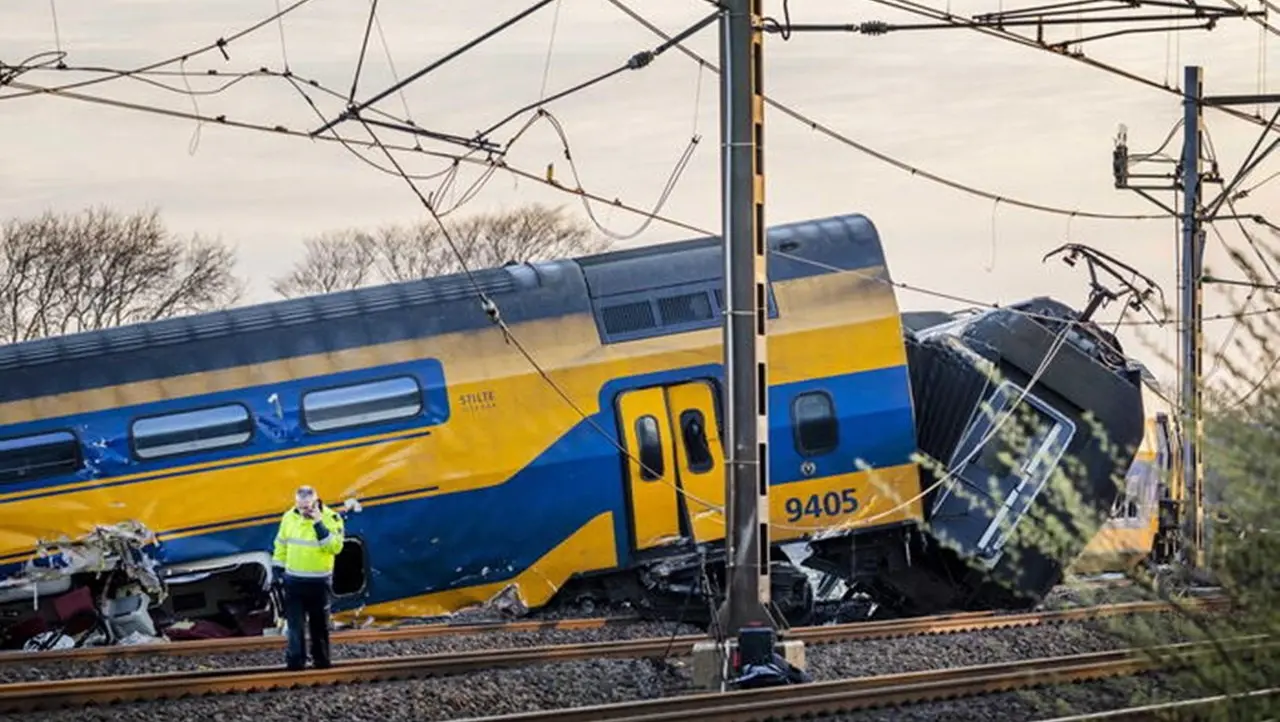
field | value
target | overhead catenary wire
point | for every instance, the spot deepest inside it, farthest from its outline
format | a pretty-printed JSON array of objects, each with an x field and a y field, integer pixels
[
  {"x": 1226, "y": 197},
  {"x": 456, "y": 158},
  {"x": 221, "y": 45},
  {"x": 551, "y": 46},
  {"x": 1236, "y": 324},
  {"x": 490, "y": 163},
  {"x": 663, "y": 197},
  {"x": 639, "y": 60},
  {"x": 884, "y": 157},
  {"x": 353, "y": 111},
  {"x": 635, "y": 62},
  {"x": 57, "y": 33},
  {"x": 917, "y": 8},
  {"x": 364, "y": 49},
  {"x": 225, "y": 121},
  {"x": 995, "y": 197}
]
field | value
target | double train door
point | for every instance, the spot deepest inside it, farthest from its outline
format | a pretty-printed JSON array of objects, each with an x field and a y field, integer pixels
[{"x": 675, "y": 463}]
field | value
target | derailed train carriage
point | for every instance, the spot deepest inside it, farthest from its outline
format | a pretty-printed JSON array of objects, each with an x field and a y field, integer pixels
[
  {"x": 1142, "y": 527},
  {"x": 474, "y": 477},
  {"x": 1006, "y": 528}
]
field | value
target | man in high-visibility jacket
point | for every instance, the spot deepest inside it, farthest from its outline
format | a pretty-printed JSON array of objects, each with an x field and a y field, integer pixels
[{"x": 309, "y": 538}]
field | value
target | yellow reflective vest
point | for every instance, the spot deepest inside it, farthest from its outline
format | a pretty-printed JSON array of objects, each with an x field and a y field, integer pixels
[{"x": 306, "y": 548}]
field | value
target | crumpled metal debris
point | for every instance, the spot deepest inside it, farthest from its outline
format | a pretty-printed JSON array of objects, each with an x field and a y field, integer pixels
[
  {"x": 140, "y": 638},
  {"x": 48, "y": 641},
  {"x": 118, "y": 546}
]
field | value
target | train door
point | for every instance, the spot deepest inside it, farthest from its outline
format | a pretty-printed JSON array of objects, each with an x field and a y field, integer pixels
[
  {"x": 675, "y": 463},
  {"x": 696, "y": 429}
]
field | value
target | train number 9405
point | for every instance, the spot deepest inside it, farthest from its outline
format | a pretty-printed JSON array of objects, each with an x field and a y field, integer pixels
[{"x": 832, "y": 503}]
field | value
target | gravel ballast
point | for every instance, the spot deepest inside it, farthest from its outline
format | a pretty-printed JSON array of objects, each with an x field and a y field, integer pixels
[
  {"x": 907, "y": 654},
  {"x": 358, "y": 650},
  {"x": 574, "y": 684},
  {"x": 1043, "y": 703}
]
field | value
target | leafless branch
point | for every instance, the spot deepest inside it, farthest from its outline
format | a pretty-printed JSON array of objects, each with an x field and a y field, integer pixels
[
  {"x": 62, "y": 274},
  {"x": 351, "y": 258}
]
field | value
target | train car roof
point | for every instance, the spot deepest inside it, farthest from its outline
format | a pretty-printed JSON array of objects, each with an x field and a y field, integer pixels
[
  {"x": 920, "y": 320},
  {"x": 394, "y": 312}
]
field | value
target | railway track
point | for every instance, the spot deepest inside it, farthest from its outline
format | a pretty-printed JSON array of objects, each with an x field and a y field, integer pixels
[
  {"x": 824, "y": 698},
  {"x": 227, "y": 645},
  {"x": 1166, "y": 712},
  {"x": 29, "y": 696},
  {"x": 355, "y": 636}
]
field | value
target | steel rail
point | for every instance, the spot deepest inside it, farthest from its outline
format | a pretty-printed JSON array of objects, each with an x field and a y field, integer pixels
[
  {"x": 28, "y": 696},
  {"x": 1165, "y": 711},
  {"x": 884, "y": 690},
  {"x": 226, "y": 645}
]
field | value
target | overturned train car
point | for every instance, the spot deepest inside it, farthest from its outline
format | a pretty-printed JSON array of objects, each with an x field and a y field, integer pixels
[
  {"x": 171, "y": 448},
  {"x": 1031, "y": 419}
]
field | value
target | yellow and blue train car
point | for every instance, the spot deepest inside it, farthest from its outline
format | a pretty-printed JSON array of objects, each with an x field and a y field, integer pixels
[
  {"x": 472, "y": 472},
  {"x": 1142, "y": 523}
]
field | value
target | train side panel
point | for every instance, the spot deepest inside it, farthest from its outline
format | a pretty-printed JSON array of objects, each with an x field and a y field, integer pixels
[
  {"x": 1129, "y": 535},
  {"x": 497, "y": 480}
]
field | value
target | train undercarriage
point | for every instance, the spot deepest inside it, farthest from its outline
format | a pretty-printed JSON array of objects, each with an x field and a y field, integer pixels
[{"x": 879, "y": 574}]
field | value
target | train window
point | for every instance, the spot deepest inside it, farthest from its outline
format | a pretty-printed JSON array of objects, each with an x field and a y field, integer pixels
[
  {"x": 814, "y": 416},
  {"x": 650, "y": 442},
  {"x": 182, "y": 433},
  {"x": 38, "y": 456},
  {"x": 693, "y": 429},
  {"x": 1022, "y": 441},
  {"x": 359, "y": 404}
]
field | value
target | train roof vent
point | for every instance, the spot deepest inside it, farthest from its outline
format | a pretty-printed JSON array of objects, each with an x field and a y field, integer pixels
[
  {"x": 171, "y": 330},
  {"x": 87, "y": 344},
  {"x": 254, "y": 318},
  {"x": 127, "y": 337},
  {"x": 661, "y": 311},
  {"x": 274, "y": 315},
  {"x": 685, "y": 308},
  {"x": 627, "y": 318},
  {"x": 34, "y": 354}
]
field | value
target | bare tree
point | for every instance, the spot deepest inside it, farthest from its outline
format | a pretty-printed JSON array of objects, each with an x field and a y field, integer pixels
[
  {"x": 61, "y": 274},
  {"x": 352, "y": 258},
  {"x": 334, "y": 261}
]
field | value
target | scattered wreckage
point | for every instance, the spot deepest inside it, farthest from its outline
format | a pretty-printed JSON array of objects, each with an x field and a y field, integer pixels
[{"x": 108, "y": 587}]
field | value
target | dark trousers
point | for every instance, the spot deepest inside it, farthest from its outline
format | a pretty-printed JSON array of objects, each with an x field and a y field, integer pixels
[{"x": 306, "y": 608}]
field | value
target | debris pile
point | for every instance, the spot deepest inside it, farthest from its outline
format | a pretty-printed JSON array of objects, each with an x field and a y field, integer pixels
[{"x": 101, "y": 589}]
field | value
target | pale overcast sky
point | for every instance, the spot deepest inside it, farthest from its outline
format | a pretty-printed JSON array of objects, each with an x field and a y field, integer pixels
[{"x": 1016, "y": 121}]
